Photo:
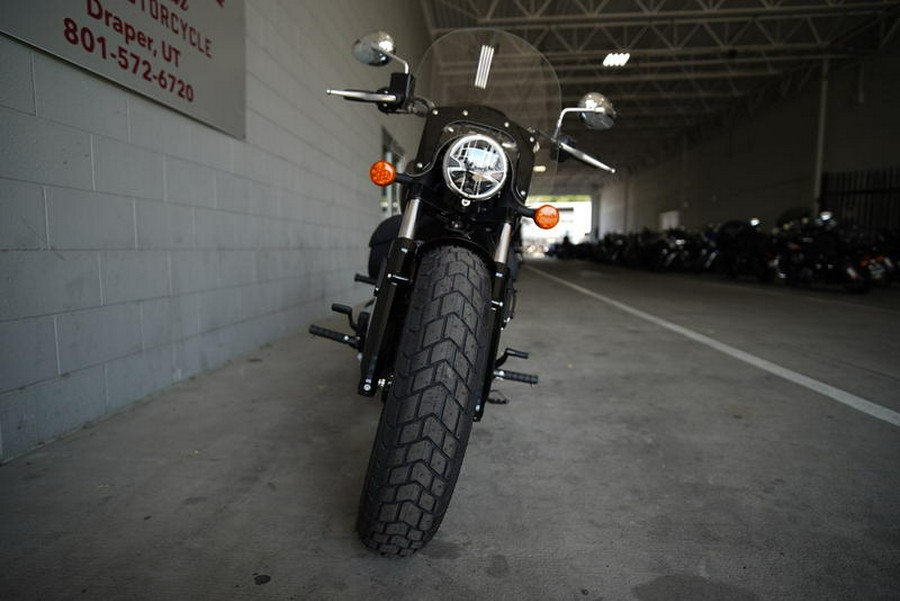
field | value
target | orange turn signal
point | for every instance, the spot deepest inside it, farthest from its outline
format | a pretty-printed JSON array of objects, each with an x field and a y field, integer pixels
[
  {"x": 546, "y": 217},
  {"x": 382, "y": 173}
]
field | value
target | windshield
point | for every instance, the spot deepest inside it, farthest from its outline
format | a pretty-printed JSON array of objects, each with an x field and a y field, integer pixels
[{"x": 493, "y": 68}]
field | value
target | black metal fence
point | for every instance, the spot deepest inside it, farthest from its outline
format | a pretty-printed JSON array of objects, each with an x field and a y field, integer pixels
[{"x": 867, "y": 199}]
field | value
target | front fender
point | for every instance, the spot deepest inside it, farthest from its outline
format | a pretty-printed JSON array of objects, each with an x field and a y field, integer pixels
[{"x": 476, "y": 248}]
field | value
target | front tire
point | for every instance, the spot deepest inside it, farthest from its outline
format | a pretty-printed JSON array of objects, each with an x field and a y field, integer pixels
[{"x": 439, "y": 373}]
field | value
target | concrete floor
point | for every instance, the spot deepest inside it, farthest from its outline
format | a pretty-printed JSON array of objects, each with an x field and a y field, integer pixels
[{"x": 646, "y": 466}]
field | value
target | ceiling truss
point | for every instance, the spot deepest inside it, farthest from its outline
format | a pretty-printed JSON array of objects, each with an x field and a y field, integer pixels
[{"x": 696, "y": 65}]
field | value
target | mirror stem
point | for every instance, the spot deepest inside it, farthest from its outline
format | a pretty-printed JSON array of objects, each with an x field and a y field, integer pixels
[
  {"x": 398, "y": 59},
  {"x": 560, "y": 120}
]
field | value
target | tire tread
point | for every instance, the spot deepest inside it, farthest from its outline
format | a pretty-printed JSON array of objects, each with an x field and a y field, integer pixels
[{"x": 427, "y": 417}]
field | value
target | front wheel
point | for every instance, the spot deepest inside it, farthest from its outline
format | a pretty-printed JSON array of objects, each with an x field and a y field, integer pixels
[{"x": 439, "y": 372}]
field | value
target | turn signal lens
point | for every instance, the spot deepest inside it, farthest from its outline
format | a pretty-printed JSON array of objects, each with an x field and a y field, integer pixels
[
  {"x": 382, "y": 173},
  {"x": 546, "y": 217}
]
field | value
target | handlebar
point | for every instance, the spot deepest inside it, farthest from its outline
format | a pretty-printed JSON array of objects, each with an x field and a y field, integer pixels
[{"x": 421, "y": 106}]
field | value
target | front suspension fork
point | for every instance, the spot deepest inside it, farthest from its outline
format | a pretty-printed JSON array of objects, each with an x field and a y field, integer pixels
[
  {"x": 397, "y": 271},
  {"x": 498, "y": 316}
]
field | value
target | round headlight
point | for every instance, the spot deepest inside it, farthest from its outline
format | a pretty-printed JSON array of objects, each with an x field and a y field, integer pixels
[{"x": 475, "y": 167}]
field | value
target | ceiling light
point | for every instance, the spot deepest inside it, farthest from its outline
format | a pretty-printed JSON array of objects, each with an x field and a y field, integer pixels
[{"x": 616, "y": 59}]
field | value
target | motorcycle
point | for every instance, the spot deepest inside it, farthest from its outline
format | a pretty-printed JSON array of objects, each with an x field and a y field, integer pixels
[
  {"x": 745, "y": 250},
  {"x": 816, "y": 251},
  {"x": 444, "y": 287}
]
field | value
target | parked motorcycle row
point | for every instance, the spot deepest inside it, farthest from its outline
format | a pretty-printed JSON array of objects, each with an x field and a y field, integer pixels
[{"x": 802, "y": 253}]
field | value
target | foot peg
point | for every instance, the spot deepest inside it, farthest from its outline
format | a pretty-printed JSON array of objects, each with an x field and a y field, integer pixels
[
  {"x": 347, "y": 339},
  {"x": 360, "y": 325},
  {"x": 515, "y": 376},
  {"x": 510, "y": 352}
]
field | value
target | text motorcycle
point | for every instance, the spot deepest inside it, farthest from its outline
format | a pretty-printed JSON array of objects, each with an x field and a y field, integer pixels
[{"x": 444, "y": 281}]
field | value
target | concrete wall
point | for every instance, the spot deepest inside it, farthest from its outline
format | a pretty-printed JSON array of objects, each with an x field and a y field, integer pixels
[
  {"x": 139, "y": 247},
  {"x": 863, "y": 130},
  {"x": 762, "y": 167}
]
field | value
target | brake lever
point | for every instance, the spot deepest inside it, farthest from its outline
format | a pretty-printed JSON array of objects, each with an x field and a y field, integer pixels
[
  {"x": 364, "y": 96},
  {"x": 584, "y": 157},
  {"x": 578, "y": 154}
]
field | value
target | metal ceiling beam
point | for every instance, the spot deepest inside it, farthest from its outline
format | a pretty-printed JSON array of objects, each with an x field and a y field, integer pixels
[
  {"x": 685, "y": 95},
  {"x": 644, "y": 15},
  {"x": 746, "y": 53},
  {"x": 703, "y": 62},
  {"x": 737, "y": 50},
  {"x": 644, "y": 113},
  {"x": 641, "y": 66},
  {"x": 668, "y": 76},
  {"x": 650, "y": 123},
  {"x": 659, "y": 101},
  {"x": 464, "y": 79}
]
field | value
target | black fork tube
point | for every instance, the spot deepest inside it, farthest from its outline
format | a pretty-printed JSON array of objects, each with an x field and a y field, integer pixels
[
  {"x": 498, "y": 299},
  {"x": 397, "y": 272}
]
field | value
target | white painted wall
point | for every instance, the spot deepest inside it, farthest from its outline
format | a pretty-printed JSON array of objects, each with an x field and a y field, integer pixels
[{"x": 139, "y": 247}]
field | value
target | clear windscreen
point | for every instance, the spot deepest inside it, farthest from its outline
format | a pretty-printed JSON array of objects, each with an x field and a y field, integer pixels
[{"x": 486, "y": 67}]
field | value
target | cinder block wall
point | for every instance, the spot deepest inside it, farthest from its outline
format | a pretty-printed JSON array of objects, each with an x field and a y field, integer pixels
[
  {"x": 139, "y": 247},
  {"x": 762, "y": 167}
]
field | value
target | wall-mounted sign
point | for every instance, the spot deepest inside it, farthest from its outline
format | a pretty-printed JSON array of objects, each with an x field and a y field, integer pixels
[{"x": 186, "y": 54}]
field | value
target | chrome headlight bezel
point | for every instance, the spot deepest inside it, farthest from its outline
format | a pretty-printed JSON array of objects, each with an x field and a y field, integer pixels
[{"x": 475, "y": 178}]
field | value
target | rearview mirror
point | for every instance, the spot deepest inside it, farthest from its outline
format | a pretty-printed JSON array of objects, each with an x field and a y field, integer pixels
[
  {"x": 375, "y": 48},
  {"x": 597, "y": 111}
]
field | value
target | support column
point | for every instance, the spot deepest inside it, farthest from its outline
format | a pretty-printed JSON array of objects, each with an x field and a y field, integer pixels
[
  {"x": 820, "y": 137},
  {"x": 683, "y": 176}
]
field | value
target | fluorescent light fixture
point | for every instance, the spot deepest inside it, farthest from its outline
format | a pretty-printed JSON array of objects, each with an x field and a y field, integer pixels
[
  {"x": 616, "y": 59},
  {"x": 484, "y": 66},
  {"x": 540, "y": 168}
]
